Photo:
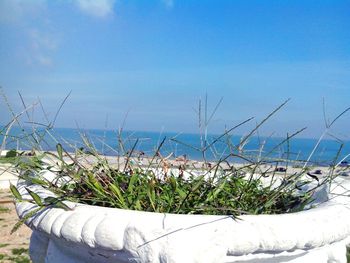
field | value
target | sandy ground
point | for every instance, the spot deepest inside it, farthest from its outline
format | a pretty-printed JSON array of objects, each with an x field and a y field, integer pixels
[{"x": 13, "y": 247}]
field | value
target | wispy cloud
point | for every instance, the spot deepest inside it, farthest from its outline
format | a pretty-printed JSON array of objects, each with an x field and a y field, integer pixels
[
  {"x": 43, "y": 60},
  {"x": 168, "y": 3},
  {"x": 14, "y": 11},
  {"x": 38, "y": 42},
  {"x": 96, "y": 8},
  {"x": 42, "y": 47},
  {"x": 41, "y": 40}
]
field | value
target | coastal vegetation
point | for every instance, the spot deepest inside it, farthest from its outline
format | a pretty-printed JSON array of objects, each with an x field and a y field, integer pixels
[{"x": 259, "y": 184}]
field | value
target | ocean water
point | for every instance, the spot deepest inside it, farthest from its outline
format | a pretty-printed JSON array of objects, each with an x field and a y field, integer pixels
[{"x": 178, "y": 144}]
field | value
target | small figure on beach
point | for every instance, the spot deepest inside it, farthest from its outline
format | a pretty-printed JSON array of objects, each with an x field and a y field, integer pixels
[
  {"x": 280, "y": 169},
  {"x": 165, "y": 168},
  {"x": 182, "y": 158},
  {"x": 181, "y": 170}
]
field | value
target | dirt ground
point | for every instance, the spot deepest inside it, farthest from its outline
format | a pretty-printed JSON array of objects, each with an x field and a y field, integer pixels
[{"x": 13, "y": 247}]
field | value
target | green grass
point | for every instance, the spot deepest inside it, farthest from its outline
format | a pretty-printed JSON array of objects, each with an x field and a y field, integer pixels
[
  {"x": 222, "y": 188},
  {"x": 228, "y": 191},
  {"x": 19, "y": 259},
  {"x": 3, "y": 245},
  {"x": 19, "y": 251},
  {"x": 9, "y": 160},
  {"x": 4, "y": 209},
  {"x": 18, "y": 255}
]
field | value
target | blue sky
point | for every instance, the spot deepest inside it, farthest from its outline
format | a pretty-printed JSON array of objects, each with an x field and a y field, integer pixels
[{"x": 155, "y": 59}]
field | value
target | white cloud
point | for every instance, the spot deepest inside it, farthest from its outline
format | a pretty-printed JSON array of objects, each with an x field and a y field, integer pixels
[
  {"x": 42, "y": 45},
  {"x": 168, "y": 3},
  {"x": 43, "y": 60},
  {"x": 36, "y": 46},
  {"x": 96, "y": 8},
  {"x": 31, "y": 22},
  {"x": 14, "y": 11},
  {"x": 41, "y": 40}
]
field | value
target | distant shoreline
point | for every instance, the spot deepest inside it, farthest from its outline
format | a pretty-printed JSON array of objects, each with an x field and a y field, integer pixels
[{"x": 174, "y": 133}]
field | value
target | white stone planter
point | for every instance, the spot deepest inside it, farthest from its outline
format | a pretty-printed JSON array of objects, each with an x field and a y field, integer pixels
[{"x": 97, "y": 234}]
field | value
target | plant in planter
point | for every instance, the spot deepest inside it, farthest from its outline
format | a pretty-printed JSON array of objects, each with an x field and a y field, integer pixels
[{"x": 85, "y": 207}]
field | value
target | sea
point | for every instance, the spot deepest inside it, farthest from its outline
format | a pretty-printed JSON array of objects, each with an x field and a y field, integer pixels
[{"x": 209, "y": 147}]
